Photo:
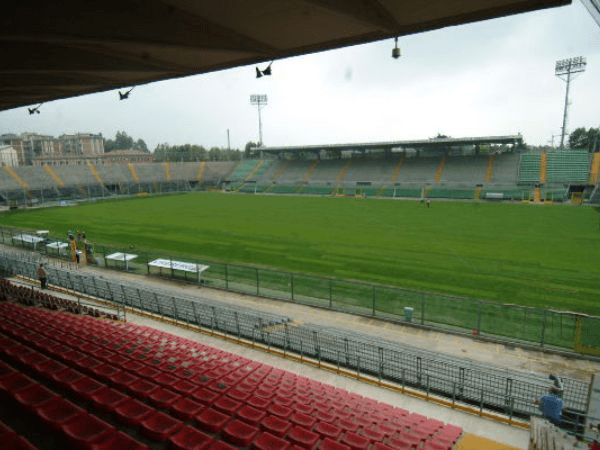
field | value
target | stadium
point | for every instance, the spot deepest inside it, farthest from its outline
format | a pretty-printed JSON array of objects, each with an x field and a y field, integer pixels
[{"x": 410, "y": 294}]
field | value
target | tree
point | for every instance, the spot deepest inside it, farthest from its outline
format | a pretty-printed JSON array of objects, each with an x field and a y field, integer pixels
[
  {"x": 141, "y": 145},
  {"x": 578, "y": 139},
  {"x": 582, "y": 139},
  {"x": 123, "y": 141},
  {"x": 249, "y": 146}
]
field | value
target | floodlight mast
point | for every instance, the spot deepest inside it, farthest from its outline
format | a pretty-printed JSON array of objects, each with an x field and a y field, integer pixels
[
  {"x": 259, "y": 101},
  {"x": 566, "y": 69}
]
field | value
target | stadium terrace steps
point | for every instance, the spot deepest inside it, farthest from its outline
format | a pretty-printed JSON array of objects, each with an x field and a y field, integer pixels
[
  {"x": 54, "y": 175},
  {"x": 311, "y": 169},
  {"x": 217, "y": 397},
  {"x": 343, "y": 172},
  {"x": 94, "y": 172},
  {"x": 489, "y": 170},
  {"x": 35, "y": 177},
  {"x": 14, "y": 176},
  {"x": 543, "y": 167},
  {"x": 570, "y": 166},
  {"x": 529, "y": 168},
  {"x": 397, "y": 168},
  {"x": 133, "y": 172},
  {"x": 440, "y": 169},
  {"x": 167, "y": 166},
  {"x": 506, "y": 169},
  {"x": 595, "y": 168},
  {"x": 201, "y": 171},
  {"x": 465, "y": 170}
]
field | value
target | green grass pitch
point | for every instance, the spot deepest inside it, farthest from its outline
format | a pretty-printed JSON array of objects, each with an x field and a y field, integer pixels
[{"x": 546, "y": 256}]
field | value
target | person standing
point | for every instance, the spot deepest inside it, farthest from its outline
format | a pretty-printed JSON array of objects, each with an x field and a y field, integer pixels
[
  {"x": 73, "y": 249},
  {"x": 551, "y": 406},
  {"x": 43, "y": 276}
]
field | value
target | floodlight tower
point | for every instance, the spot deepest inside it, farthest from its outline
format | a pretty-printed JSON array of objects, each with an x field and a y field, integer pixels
[
  {"x": 259, "y": 101},
  {"x": 566, "y": 69}
]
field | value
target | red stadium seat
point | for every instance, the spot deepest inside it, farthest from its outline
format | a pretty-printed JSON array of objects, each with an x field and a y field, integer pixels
[
  {"x": 220, "y": 445},
  {"x": 66, "y": 377},
  {"x": 142, "y": 389},
  {"x": 133, "y": 412},
  {"x": 302, "y": 437},
  {"x": 354, "y": 441},
  {"x": 118, "y": 440},
  {"x": 34, "y": 396},
  {"x": 327, "y": 430},
  {"x": 258, "y": 402},
  {"x": 212, "y": 420},
  {"x": 189, "y": 438},
  {"x": 240, "y": 433},
  {"x": 107, "y": 399},
  {"x": 163, "y": 398},
  {"x": 56, "y": 413},
  {"x": 303, "y": 420},
  {"x": 105, "y": 371},
  {"x": 123, "y": 379},
  {"x": 281, "y": 411},
  {"x": 250, "y": 415},
  {"x": 13, "y": 383},
  {"x": 330, "y": 444},
  {"x": 227, "y": 405},
  {"x": 186, "y": 408},
  {"x": 266, "y": 441},
  {"x": 18, "y": 443},
  {"x": 86, "y": 430},
  {"x": 86, "y": 387},
  {"x": 381, "y": 446},
  {"x": 276, "y": 425},
  {"x": 159, "y": 426}
]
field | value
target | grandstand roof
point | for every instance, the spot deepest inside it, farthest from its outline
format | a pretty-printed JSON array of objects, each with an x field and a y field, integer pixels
[
  {"x": 53, "y": 50},
  {"x": 440, "y": 143}
]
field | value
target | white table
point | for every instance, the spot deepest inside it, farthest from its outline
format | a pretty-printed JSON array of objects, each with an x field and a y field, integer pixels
[
  {"x": 58, "y": 246},
  {"x": 28, "y": 239},
  {"x": 125, "y": 257},
  {"x": 178, "y": 265}
]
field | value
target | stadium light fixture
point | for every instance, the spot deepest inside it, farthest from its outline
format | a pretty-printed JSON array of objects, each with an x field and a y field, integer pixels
[
  {"x": 260, "y": 101},
  {"x": 566, "y": 70},
  {"x": 35, "y": 110},
  {"x": 125, "y": 95},
  {"x": 396, "y": 49},
  {"x": 266, "y": 72}
]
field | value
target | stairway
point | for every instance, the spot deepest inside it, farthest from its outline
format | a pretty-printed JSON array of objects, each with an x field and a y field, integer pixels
[
  {"x": 201, "y": 171},
  {"x": 543, "y": 167},
  {"x": 343, "y": 172},
  {"x": 94, "y": 172},
  {"x": 595, "y": 168},
  {"x": 133, "y": 172},
  {"x": 20, "y": 181},
  {"x": 167, "y": 170},
  {"x": 54, "y": 175},
  {"x": 489, "y": 170},
  {"x": 310, "y": 170},
  {"x": 440, "y": 170}
]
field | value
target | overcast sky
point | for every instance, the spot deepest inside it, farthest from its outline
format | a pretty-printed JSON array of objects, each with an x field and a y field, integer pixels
[{"x": 489, "y": 78}]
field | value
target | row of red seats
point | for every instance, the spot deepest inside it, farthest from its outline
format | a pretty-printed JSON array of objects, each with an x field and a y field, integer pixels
[
  {"x": 222, "y": 393},
  {"x": 10, "y": 440},
  {"x": 31, "y": 297}
]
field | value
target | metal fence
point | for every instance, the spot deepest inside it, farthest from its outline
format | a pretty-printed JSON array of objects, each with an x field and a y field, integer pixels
[
  {"x": 508, "y": 392},
  {"x": 511, "y": 323}
]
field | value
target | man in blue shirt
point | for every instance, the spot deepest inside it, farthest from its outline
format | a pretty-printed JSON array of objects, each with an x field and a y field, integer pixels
[{"x": 551, "y": 406}]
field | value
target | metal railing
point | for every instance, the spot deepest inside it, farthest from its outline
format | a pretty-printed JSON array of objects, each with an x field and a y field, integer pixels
[
  {"x": 485, "y": 387},
  {"x": 503, "y": 322}
]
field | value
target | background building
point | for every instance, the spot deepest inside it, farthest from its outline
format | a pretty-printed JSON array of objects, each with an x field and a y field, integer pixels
[{"x": 8, "y": 156}]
